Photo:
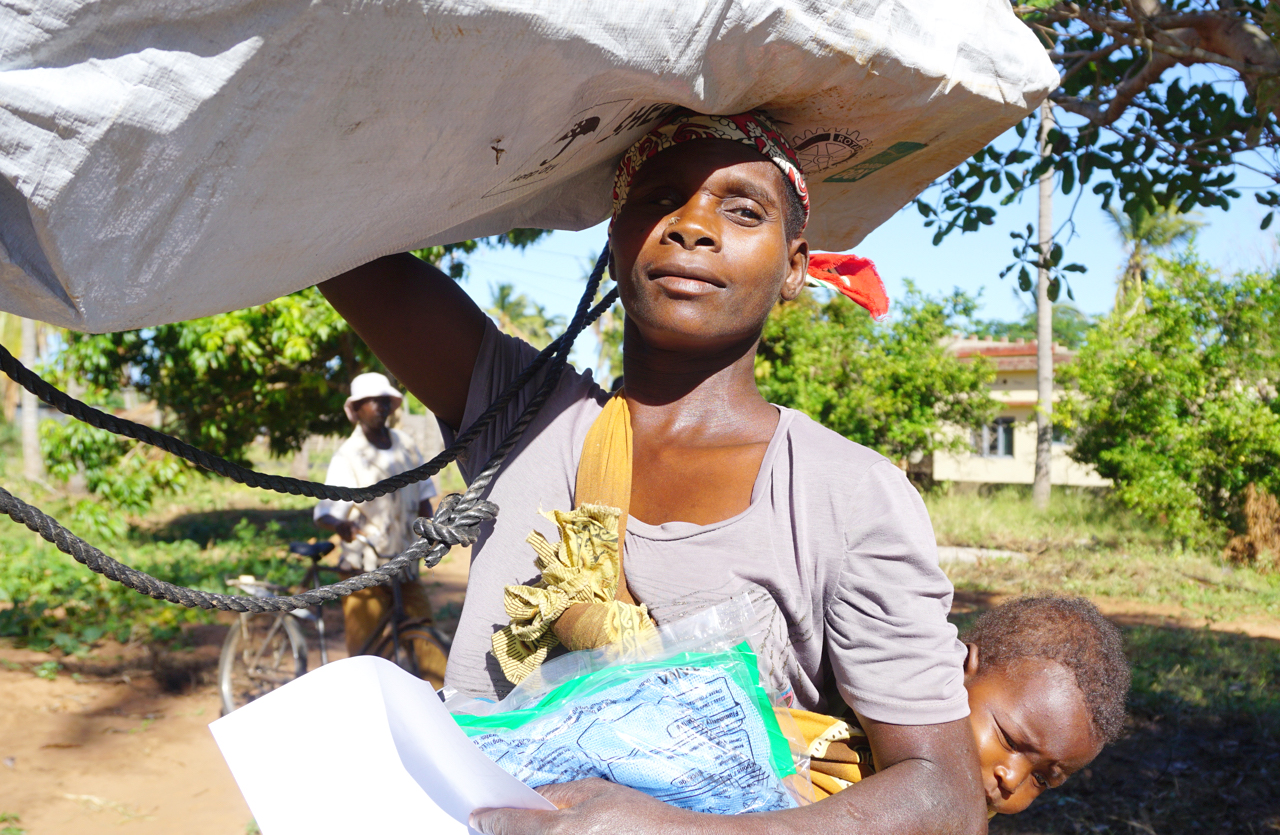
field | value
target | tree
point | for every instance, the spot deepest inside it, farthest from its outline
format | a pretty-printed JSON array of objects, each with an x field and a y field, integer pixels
[
  {"x": 1177, "y": 403},
  {"x": 11, "y": 338},
  {"x": 608, "y": 330},
  {"x": 32, "y": 463},
  {"x": 892, "y": 387},
  {"x": 1071, "y": 326},
  {"x": 1152, "y": 133},
  {"x": 1041, "y": 484},
  {"x": 282, "y": 369},
  {"x": 452, "y": 257},
  {"x": 1136, "y": 118},
  {"x": 124, "y": 477},
  {"x": 523, "y": 318},
  {"x": 1145, "y": 233}
]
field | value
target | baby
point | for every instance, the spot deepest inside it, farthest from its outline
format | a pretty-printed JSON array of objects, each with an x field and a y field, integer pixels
[{"x": 1047, "y": 680}]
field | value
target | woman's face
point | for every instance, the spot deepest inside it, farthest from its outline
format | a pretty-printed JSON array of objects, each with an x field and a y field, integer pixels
[{"x": 700, "y": 250}]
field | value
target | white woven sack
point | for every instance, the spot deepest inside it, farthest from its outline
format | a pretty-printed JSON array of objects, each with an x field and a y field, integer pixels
[{"x": 162, "y": 160}]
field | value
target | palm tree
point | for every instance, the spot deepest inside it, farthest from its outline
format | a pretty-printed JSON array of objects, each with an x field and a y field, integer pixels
[
  {"x": 31, "y": 336},
  {"x": 608, "y": 332},
  {"x": 518, "y": 316},
  {"x": 1146, "y": 232}
]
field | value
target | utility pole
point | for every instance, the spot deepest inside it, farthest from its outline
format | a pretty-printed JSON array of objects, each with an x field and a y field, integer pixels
[
  {"x": 32, "y": 463},
  {"x": 1044, "y": 325}
]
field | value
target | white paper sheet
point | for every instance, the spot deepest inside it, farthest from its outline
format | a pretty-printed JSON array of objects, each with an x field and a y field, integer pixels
[{"x": 308, "y": 764}]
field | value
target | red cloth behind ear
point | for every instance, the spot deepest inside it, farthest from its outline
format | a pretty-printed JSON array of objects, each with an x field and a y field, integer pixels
[{"x": 853, "y": 276}]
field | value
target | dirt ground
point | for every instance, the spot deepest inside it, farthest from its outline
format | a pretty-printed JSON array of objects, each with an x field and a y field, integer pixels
[{"x": 118, "y": 742}]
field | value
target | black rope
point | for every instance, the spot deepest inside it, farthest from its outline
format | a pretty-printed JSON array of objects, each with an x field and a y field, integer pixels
[
  {"x": 456, "y": 525},
  {"x": 85, "y": 413},
  {"x": 457, "y": 521}
]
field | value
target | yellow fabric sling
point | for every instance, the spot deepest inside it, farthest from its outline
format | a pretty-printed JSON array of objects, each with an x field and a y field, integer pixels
[
  {"x": 839, "y": 754},
  {"x": 576, "y": 601}
]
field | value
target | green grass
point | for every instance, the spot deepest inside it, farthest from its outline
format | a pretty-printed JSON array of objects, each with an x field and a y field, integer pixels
[
  {"x": 196, "y": 536},
  {"x": 1198, "y": 674},
  {"x": 1086, "y": 544},
  {"x": 212, "y": 530},
  {"x": 1198, "y": 755},
  {"x": 1198, "y": 677},
  {"x": 1004, "y": 517}
]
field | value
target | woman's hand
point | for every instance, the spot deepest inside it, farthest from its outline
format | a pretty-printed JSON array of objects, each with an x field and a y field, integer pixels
[{"x": 588, "y": 807}]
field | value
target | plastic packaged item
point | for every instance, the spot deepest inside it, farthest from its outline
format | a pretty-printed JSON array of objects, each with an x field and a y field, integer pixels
[
  {"x": 696, "y": 731},
  {"x": 165, "y": 160},
  {"x": 691, "y": 727}
]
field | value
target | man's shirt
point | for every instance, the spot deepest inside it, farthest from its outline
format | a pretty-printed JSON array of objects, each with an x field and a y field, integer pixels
[{"x": 385, "y": 521}]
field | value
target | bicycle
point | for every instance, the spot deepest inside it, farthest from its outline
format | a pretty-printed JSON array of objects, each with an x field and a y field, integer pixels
[{"x": 264, "y": 651}]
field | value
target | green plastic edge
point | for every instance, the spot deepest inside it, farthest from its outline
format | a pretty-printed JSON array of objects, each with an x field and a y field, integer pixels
[{"x": 740, "y": 663}]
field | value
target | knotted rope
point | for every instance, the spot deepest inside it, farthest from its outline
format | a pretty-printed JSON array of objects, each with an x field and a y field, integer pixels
[{"x": 457, "y": 521}]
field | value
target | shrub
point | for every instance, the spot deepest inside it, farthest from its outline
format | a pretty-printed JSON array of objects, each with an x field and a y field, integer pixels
[
  {"x": 890, "y": 386},
  {"x": 1177, "y": 403}
]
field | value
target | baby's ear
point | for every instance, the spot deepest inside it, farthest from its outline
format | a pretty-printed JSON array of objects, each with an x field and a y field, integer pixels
[{"x": 971, "y": 661}]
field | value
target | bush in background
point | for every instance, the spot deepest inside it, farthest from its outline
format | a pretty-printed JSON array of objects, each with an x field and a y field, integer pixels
[
  {"x": 1177, "y": 402},
  {"x": 890, "y": 386},
  {"x": 49, "y": 600},
  {"x": 123, "y": 476}
]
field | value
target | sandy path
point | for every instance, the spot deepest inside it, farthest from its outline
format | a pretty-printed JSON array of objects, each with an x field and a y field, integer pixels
[
  {"x": 86, "y": 757},
  {"x": 121, "y": 754}
]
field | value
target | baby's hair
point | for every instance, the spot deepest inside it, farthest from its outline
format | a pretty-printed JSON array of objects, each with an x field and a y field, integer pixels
[{"x": 1070, "y": 631}]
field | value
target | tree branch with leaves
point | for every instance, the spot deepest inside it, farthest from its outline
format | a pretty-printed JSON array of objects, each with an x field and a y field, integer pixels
[{"x": 1164, "y": 105}]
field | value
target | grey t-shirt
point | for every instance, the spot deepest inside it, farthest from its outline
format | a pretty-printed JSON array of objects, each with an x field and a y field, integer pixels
[{"x": 835, "y": 551}]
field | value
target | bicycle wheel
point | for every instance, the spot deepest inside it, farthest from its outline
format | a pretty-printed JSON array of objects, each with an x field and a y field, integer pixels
[
  {"x": 261, "y": 653},
  {"x": 419, "y": 649}
]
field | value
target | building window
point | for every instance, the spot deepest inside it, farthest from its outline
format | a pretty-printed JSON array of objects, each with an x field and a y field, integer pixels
[
  {"x": 1061, "y": 435},
  {"x": 995, "y": 440}
]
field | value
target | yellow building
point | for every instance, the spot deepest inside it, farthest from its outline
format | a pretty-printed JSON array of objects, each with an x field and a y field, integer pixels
[{"x": 1004, "y": 451}]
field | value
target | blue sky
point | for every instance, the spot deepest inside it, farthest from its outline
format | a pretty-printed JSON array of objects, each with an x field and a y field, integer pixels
[{"x": 551, "y": 272}]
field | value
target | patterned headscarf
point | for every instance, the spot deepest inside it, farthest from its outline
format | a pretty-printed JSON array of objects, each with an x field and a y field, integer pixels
[
  {"x": 851, "y": 275},
  {"x": 752, "y": 129}
]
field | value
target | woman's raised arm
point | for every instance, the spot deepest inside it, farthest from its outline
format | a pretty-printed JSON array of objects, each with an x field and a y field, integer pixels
[{"x": 419, "y": 322}]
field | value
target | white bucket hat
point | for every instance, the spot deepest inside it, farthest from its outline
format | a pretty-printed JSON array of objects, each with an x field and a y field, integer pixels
[{"x": 369, "y": 385}]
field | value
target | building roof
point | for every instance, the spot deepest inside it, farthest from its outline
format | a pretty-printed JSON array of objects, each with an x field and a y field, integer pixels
[{"x": 1019, "y": 355}]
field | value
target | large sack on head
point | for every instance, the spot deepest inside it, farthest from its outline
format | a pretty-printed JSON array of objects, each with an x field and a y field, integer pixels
[{"x": 162, "y": 160}]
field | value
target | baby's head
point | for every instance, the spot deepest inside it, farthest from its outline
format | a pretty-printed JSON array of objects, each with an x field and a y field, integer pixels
[{"x": 1047, "y": 681}]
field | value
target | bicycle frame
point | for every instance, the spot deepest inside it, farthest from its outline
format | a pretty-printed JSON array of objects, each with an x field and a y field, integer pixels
[
  {"x": 314, "y": 574},
  {"x": 396, "y": 618},
  {"x": 266, "y": 642},
  {"x": 254, "y": 657}
]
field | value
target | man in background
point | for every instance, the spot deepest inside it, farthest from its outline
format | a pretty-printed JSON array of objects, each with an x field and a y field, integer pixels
[{"x": 375, "y": 452}]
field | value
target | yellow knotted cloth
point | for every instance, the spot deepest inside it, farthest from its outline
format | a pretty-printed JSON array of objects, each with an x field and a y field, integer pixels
[
  {"x": 839, "y": 754},
  {"x": 575, "y": 601}
]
